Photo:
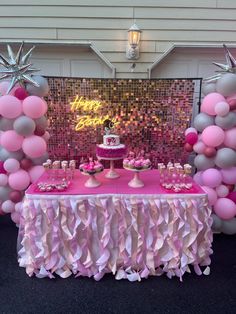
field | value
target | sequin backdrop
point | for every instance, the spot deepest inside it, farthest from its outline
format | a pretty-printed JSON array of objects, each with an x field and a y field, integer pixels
[{"x": 152, "y": 115}]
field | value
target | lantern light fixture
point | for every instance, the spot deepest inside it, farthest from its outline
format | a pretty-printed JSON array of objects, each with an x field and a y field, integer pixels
[{"x": 132, "y": 50}]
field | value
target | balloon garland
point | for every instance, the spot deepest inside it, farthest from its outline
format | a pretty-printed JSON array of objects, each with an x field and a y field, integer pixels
[
  {"x": 215, "y": 144},
  {"x": 23, "y": 125}
]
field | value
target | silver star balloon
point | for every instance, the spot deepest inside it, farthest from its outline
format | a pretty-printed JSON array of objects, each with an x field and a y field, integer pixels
[
  {"x": 17, "y": 67},
  {"x": 229, "y": 67}
]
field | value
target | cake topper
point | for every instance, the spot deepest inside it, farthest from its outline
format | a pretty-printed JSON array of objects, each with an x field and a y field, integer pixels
[{"x": 108, "y": 126}]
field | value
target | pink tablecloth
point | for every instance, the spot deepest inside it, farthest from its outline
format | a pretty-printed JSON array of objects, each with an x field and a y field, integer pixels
[
  {"x": 117, "y": 186},
  {"x": 132, "y": 233}
]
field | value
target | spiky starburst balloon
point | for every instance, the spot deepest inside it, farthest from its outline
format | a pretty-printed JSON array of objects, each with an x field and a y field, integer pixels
[
  {"x": 17, "y": 67},
  {"x": 229, "y": 67}
]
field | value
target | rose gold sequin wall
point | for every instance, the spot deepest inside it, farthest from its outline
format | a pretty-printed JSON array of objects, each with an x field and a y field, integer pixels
[{"x": 152, "y": 115}]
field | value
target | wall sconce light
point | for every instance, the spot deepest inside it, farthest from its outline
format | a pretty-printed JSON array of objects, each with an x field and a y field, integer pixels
[{"x": 132, "y": 50}]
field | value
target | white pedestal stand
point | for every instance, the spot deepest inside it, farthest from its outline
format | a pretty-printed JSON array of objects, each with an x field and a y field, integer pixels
[
  {"x": 92, "y": 182},
  {"x": 112, "y": 173},
  {"x": 136, "y": 182}
]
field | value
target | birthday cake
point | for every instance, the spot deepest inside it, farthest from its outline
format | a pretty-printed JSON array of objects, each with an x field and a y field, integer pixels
[{"x": 111, "y": 146}]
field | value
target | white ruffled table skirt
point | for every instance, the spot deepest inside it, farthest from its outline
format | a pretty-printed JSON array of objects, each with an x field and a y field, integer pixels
[{"x": 131, "y": 236}]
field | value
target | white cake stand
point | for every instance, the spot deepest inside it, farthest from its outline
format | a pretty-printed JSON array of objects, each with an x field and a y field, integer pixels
[
  {"x": 136, "y": 182},
  {"x": 92, "y": 182},
  {"x": 112, "y": 173}
]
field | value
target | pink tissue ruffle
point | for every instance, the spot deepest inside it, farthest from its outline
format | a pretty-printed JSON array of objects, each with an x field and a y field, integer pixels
[{"x": 130, "y": 236}]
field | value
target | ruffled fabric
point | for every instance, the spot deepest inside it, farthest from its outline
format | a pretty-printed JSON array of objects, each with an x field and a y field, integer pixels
[{"x": 130, "y": 236}]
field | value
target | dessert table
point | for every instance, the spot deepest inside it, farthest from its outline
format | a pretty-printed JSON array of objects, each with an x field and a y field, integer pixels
[{"x": 132, "y": 233}]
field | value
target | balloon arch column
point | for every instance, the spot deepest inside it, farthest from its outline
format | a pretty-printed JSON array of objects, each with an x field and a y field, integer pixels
[
  {"x": 213, "y": 139},
  {"x": 23, "y": 135}
]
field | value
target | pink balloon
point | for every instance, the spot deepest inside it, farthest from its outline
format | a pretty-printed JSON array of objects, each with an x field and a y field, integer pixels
[
  {"x": 34, "y": 146},
  {"x": 19, "y": 180},
  {"x": 188, "y": 147},
  {"x": 209, "y": 102},
  {"x": 199, "y": 147},
  {"x": 213, "y": 135},
  {"x": 11, "y": 140},
  {"x": 212, "y": 196},
  {"x": 34, "y": 107},
  {"x": 46, "y": 136},
  {"x": 11, "y": 165},
  {"x": 4, "y": 87},
  {"x": 15, "y": 217},
  {"x": 232, "y": 196},
  {"x": 26, "y": 163},
  {"x": 15, "y": 196},
  {"x": 18, "y": 207},
  {"x": 3, "y": 179},
  {"x": 190, "y": 130},
  {"x": 198, "y": 178},
  {"x": 222, "y": 108},
  {"x": 35, "y": 173},
  {"x": 225, "y": 208},
  {"x": 8, "y": 207},
  {"x": 21, "y": 93},
  {"x": 2, "y": 170},
  {"x": 210, "y": 152},
  {"x": 211, "y": 177},
  {"x": 229, "y": 175},
  {"x": 10, "y": 107},
  {"x": 222, "y": 190},
  {"x": 230, "y": 138},
  {"x": 191, "y": 138},
  {"x": 232, "y": 101}
]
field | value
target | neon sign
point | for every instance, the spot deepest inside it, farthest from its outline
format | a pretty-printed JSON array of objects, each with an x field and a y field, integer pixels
[{"x": 81, "y": 104}]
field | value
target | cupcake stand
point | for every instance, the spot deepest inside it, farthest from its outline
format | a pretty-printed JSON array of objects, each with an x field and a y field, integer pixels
[
  {"x": 92, "y": 182},
  {"x": 136, "y": 182}
]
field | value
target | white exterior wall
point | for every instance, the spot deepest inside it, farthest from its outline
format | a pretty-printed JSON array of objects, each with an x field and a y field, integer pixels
[{"x": 105, "y": 24}]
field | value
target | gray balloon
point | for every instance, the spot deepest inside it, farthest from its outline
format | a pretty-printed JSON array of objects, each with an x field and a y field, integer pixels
[
  {"x": 226, "y": 85},
  {"x": 226, "y": 122},
  {"x": 42, "y": 122},
  {"x": 40, "y": 160},
  {"x": 5, "y": 154},
  {"x": 225, "y": 158},
  {"x": 24, "y": 126},
  {"x": 6, "y": 124},
  {"x": 202, "y": 120},
  {"x": 40, "y": 91},
  {"x": 217, "y": 223},
  {"x": 4, "y": 193},
  {"x": 229, "y": 226},
  {"x": 208, "y": 88},
  {"x": 17, "y": 155},
  {"x": 202, "y": 162}
]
